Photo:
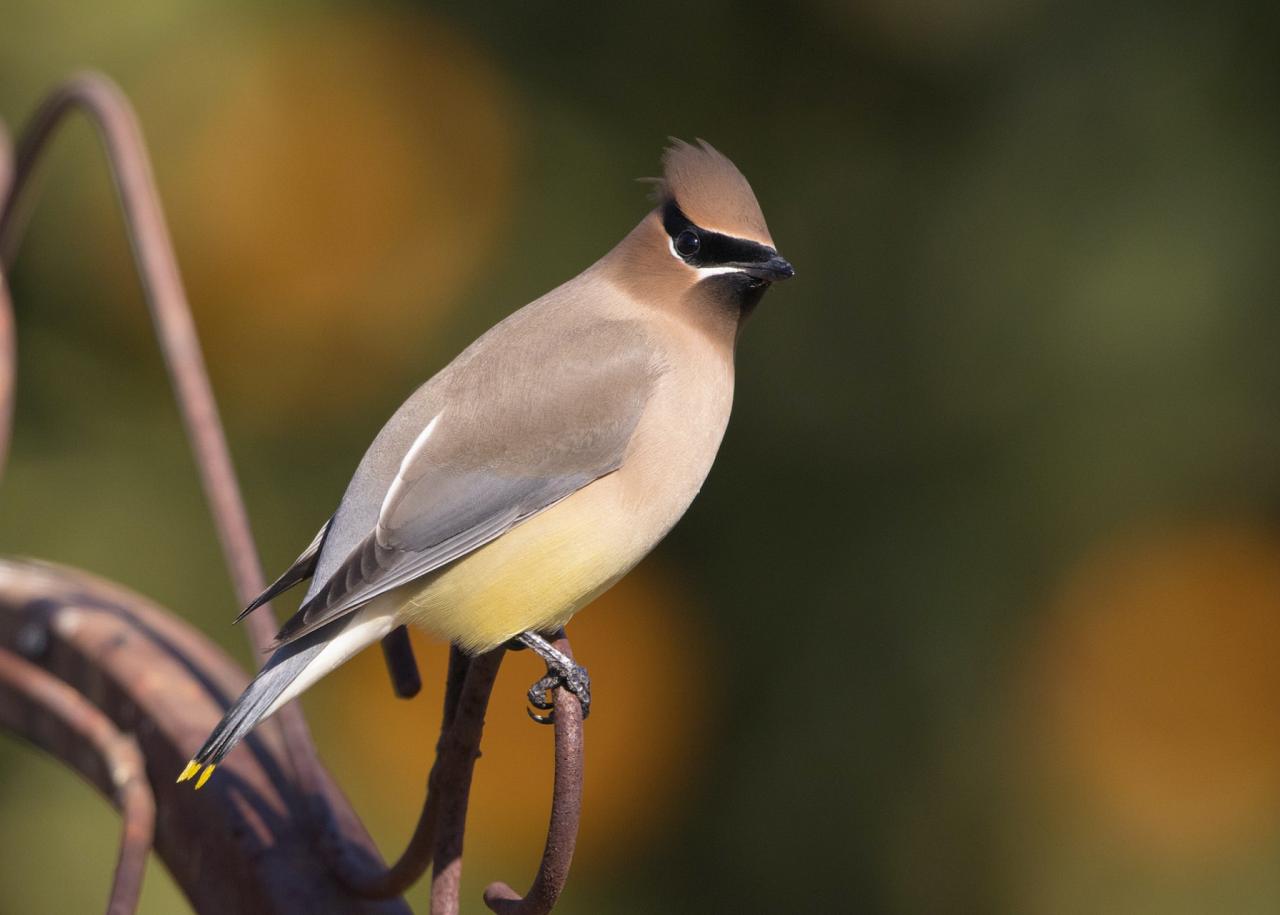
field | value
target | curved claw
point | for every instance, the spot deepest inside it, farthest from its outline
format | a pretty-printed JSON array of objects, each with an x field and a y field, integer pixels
[
  {"x": 540, "y": 698},
  {"x": 539, "y": 693},
  {"x": 576, "y": 681},
  {"x": 540, "y": 719}
]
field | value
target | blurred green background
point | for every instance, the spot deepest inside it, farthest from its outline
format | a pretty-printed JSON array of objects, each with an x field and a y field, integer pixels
[{"x": 979, "y": 609}]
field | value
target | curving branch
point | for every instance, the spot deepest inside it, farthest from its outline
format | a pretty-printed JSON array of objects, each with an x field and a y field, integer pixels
[
  {"x": 438, "y": 837},
  {"x": 8, "y": 340},
  {"x": 566, "y": 809},
  {"x": 117, "y": 126},
  {"x": 113, "y": 118},
  {"x": 239, "y": 845},
  {"x": 56, "y": 718},
  {"x": 252, "y": 854}
]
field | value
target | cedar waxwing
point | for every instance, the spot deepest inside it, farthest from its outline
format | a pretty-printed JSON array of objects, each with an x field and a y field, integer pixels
[{"x": 545, "y": 461}]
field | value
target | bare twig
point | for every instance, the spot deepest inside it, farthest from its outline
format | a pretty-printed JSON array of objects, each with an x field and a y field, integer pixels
[
  {"x": 239, "y": 845},
  {"x": 397, "y": 651},
  {"x": 56, "y": 718},
  {"x": 108, "y": 110},
  {"x": 455, "y": 762},
  {"x": 105, "y": 105},
  {"x": 566, "y": 809},
  {"x": 254, "y": 785},
  {"x": 8, "y": 342},
  {"x": 418, "y": 854},
  {"x": 438, "y": 837}
]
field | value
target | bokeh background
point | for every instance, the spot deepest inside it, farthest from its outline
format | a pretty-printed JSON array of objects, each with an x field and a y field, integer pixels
[{"x": 979, "y": 610}]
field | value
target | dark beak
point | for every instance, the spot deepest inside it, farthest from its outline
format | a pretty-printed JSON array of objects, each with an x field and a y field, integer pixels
[{"x": 771, "y": 270}]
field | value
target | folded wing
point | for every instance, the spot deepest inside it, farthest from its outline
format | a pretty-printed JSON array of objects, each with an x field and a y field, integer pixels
[
  {"x": 303, "y": 568},
  {"x": 513, "y": 426}
]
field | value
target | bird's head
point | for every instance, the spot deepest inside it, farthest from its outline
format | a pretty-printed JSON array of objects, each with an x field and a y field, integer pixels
[
  {"x": 706, "y": 236},
  {"x": 712, "y": 221}
]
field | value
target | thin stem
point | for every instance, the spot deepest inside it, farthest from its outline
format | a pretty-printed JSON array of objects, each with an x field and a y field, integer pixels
[
  {"x": 566, "y": 811},
  {"x": 418, "y": 854},
  {"x": 117, "y": 126},
  {"x": 438, "y": 837},
  {"x": 456, "y": 759},
  {"x": 397, "y": 652},
  {"x": 108, "y": 110},
  {"x": 8, "y": 343},
  {"x": 56, "y": 718}
]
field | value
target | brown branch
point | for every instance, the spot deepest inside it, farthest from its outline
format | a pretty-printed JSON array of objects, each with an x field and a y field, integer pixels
[
  {"x": 397, "y": 652},
  {"x": 456, "y": 759},
  {"x": 110, "y": 113},
  {"x": 56, "y": 718},
  {"x": 242, "y": 843},
  {"x": 420, "y": 851},
  {"x": 8, "y": 340},
  {"x": 255, "y": 784},
  {"x": 117, "y": 126},
  {"x": 566, "y": 809},
  {"x": 437, "y": 840}
]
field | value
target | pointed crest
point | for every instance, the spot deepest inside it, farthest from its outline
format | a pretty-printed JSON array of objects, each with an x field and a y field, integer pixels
[{"x": 711, "y": 191}]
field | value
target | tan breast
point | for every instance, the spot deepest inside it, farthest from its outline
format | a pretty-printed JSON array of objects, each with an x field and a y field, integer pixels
[{"x": 540, "y": 573}]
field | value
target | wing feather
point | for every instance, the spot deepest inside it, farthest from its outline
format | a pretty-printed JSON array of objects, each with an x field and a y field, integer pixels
[
  {"x": 303, "y": 568},
  {"x": 518, "y": 428}
]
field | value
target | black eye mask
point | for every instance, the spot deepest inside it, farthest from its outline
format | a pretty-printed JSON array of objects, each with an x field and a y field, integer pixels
[{"x": 713, "y": 249}]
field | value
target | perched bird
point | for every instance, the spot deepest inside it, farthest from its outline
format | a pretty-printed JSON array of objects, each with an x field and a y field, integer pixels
[{"x": 545, "y": 461}]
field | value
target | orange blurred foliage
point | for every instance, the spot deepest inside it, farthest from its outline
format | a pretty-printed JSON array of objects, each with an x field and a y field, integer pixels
[
  {"x": 333, "y": 185},
  {"x": 1160, "y": 693},
  {"x": 647, "y": 658}
]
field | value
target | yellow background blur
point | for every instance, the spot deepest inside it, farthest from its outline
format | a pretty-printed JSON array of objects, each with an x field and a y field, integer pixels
[{"x": 978, "y": 611}]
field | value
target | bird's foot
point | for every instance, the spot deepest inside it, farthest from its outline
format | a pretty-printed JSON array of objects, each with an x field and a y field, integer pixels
[
  {"x": 562, "y": 672},
  {"x": 575, "y": 680}
]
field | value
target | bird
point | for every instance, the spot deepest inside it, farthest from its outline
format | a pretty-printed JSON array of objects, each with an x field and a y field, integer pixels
[{"x": 541, "y": 464}]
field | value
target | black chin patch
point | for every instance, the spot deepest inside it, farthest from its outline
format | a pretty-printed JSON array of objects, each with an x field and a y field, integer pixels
[{"x": 738, "y": 290}]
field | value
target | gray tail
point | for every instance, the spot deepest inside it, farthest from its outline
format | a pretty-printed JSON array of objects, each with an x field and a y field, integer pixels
[
  {"x": 280, "y": 670},
  {"x": 254, "y": 702}
]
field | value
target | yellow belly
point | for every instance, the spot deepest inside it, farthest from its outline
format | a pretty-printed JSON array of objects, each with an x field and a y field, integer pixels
[{"x": 536, "y": 576}]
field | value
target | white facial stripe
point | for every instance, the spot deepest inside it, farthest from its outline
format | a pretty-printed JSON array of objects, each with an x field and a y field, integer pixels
[
  {"x": 703, "y": 272},
  {"x": 716, "y": 271}
]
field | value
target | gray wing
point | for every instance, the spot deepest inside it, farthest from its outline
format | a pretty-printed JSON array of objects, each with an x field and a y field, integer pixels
[
  {"x": 531, "y": 413},
  {"x": 303, "y": 568}
]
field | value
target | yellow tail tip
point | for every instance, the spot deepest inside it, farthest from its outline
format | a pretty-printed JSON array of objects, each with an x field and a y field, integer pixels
[
  {"x": 192, "y": 768},
  {"x": 204, "y": 777}
]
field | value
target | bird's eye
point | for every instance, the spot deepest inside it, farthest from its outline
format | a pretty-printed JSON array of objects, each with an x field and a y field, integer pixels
[{"x": 688, "y": 243}]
